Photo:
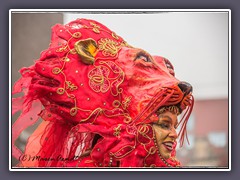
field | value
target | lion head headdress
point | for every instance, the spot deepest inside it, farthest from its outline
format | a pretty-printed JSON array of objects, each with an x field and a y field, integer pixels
[{"x": 97, "y": 97}]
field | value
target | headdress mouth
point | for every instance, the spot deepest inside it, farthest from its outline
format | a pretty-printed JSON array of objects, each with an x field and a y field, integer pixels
[{"x": 175, "y": 99}]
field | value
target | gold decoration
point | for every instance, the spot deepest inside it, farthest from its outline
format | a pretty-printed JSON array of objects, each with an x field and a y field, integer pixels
[
  {"x": 61, "y": 49},
  {"x": 126, "y": 103},
  {"x": 114, "y": 35},
  {"x": 77, "y": 35},
  {"x": 117, "y": 131},
  {"x": 73, "y": 111},
  {"x": 65, "y": 59},
  {"x": 56, "y": 70},
  {"x": 98, "y": 79},
  {"x": 127, "y": 119},
  {"x": 73, "y": 51},
  {"x": 116, "y": 103},
  {"x": 108, "y": 47},
  {"x": 152, "y": 150},
  {"x": 144, "y": 129},
  {"x": 70, "y": 86},
  {"x": 95, "y": 27},
  {"x": 60, "y": 90},
  {"x": 87, "y": 50}
]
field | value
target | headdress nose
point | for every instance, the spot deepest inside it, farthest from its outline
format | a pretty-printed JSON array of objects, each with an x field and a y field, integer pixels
[{"x": 185, "y": 87}]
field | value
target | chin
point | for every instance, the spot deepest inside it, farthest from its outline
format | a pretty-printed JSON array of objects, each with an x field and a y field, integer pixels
[{"x": 166, "y": 156}]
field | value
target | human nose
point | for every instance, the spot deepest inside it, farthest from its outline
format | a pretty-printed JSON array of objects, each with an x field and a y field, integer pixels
[{"x": 173, "y": 133}]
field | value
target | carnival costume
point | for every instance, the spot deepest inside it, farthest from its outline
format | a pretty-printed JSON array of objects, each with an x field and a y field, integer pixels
[{"x": 97, "y": 106}]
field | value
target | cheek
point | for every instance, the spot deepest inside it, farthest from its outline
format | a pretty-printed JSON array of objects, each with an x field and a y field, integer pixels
[{"x": 159, "y": 135}]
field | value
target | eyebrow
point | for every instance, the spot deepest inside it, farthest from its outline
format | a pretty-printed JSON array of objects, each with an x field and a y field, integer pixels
[{"x": 167, "y": 118}]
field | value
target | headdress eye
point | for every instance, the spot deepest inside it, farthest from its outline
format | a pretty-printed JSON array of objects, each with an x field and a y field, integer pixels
[
  {"x": 142, "y": 55},
  {"x": 169, "y": 66}
]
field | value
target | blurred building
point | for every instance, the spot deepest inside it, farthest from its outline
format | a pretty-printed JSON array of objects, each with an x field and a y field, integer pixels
[{"x": 208, "y": 131}]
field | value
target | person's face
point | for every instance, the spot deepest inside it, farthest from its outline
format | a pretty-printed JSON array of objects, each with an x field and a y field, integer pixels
[{"x": 165, "y": 131}]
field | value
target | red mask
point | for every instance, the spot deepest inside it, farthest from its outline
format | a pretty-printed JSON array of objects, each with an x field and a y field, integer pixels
[{"x": 96, "y": 94}]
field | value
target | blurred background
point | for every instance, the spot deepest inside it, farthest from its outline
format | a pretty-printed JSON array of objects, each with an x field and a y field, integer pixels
[{"x": 197, "y": 44}]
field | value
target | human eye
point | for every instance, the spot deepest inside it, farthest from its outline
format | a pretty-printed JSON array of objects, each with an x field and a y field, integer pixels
[{"x": 163, "y": 125}]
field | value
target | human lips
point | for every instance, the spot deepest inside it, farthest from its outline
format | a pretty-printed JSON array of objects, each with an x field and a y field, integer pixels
[{"x": 168, "y": 145}]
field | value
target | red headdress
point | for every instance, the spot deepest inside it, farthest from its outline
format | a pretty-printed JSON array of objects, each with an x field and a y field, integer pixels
[{"x": 97, "y": 97}]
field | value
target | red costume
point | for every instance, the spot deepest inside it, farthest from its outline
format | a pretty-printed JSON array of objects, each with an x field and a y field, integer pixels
[{"x": 97, "y": 104}]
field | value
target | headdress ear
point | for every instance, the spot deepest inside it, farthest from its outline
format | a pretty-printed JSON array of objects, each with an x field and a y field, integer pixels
[{"x": 86, "y": 49}]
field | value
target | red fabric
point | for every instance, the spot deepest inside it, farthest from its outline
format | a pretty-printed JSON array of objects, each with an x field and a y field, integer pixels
[{"x": 79, "y": 101}]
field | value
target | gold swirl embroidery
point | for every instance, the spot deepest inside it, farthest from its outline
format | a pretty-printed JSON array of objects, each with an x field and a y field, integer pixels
[
  {"x": 144, "y": 129},
  {"x": 100, "y": 81},
  {"x": 95, "y": 112},
  {"x": 119, "y": 155},
  {"x": 128, "y": 149},
  {"x": 77, "y": 35},
  {"x": 72, "y": 96},
  {"x": 71, "y": 86},
  {"x": 115, "y": 113},
  {"x": 60, "y": 91},
  {"x": 56, "y": 70},
  {"x": 95, "y": 27},
  {"x": 152, "y": 165},
  {"x": 116, "y": 69},
  {"x": 73, "y": 111},
  {"x": 126, "y": 103},
  {"x": 117, "y": 131},
  {"x": 85, "y": 26},
  {"x": 65, "y": 59},
  {"x": 127, "y": 119},
  {"x": 114, "y": 35},
  {"x": 152, "y": 150},
  {"x": 89, "y": 161},
  {"x": 108, "y": 47},
  {"x": 61, "y": 49},
  {"x": 116, "y": 103},
  {"x": 73, "y": 51},
  {"x": 117, "y": 81}
]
